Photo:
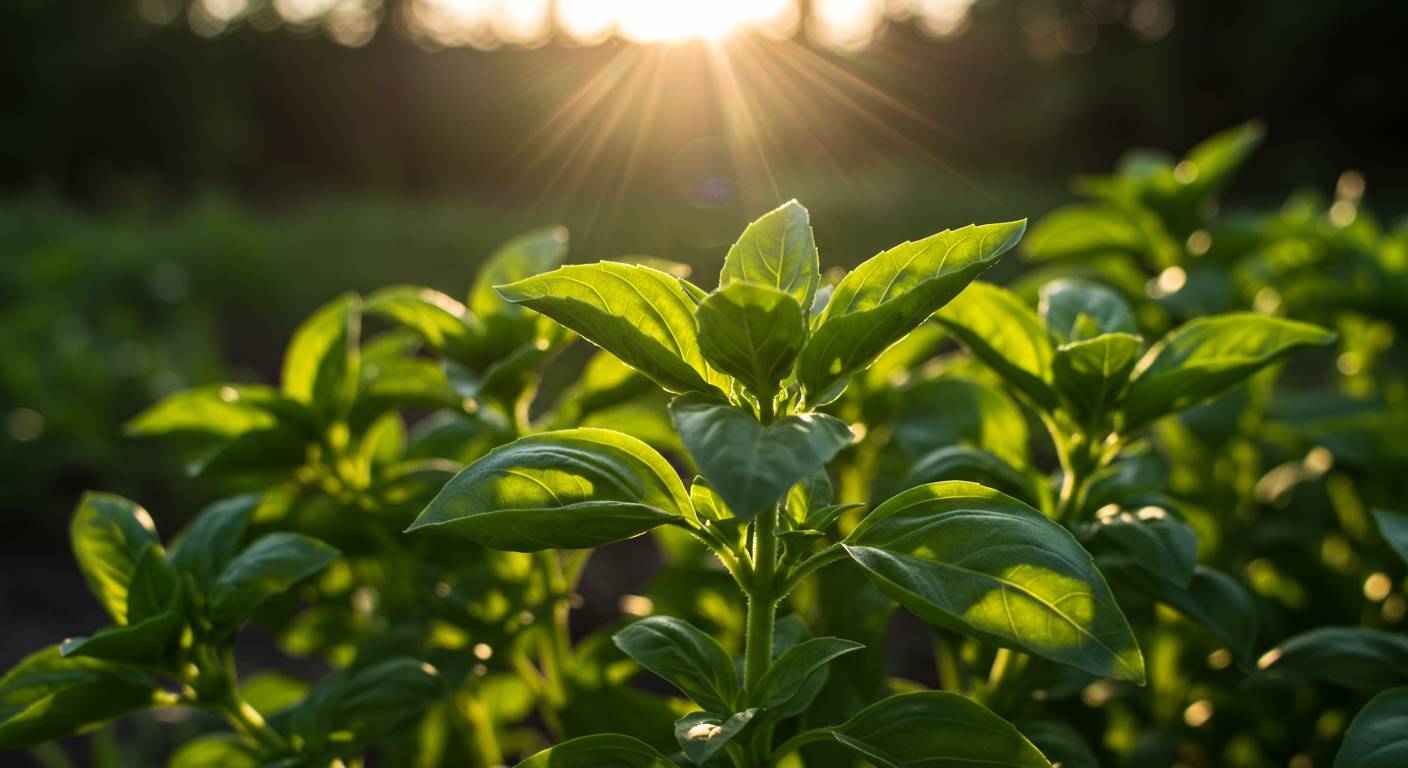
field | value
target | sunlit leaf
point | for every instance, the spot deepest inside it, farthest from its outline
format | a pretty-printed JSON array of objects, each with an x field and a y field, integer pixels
[
  {"x": 776, "y": 251},
  {"x": 752, "y": 333},
  {"x": 1007, "y": 336},
  {"x": 110, "y": 535}
]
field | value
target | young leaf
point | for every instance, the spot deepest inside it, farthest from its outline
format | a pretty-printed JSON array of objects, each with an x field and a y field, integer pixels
[
  {"x": 1087, "y": 231},
  {"x": 1067, "y": 306},
  {"x": 1007, "y": 336},
  {"x": 154, "y": 618},
  {"x": 751, "y": 466},
  {"x": 321, "y": 363},
  {"x": 1394, "y": 528},
  {"x": 791, "y": 671},
  {"x": 443, "y": 323},
  {"x": 968, "y": 558},
  {"x": 636, "y": 313},
  {"x": 752, "y": 333},
  {"x": 603, "y": 750},
  {"x": 685, "y": 657},
  {"x": 47, "y": 697},
  {"x": 776, "y": 251},
  {"x": 1207, "y": 356},
  {"x": 1354, "y": 657},
  {"x": 574, "y": 488},
  {"x": 932, "y": 728},
  {"x": 217, "y": 533},
  {"x": 220, "y": 412},
  {"x": 1091, "y": 374},
  {"x": 110, "y": 535},
  {"x": 701, "y": 734},
  {"x": 267, "y": 567},
  {"x": 522, "y": 257},
  {"x": 885, "y": 298},
  {"x": 1378, "y": 735}
]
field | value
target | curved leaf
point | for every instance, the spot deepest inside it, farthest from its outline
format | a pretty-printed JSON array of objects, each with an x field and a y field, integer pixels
[
  {"x": 974, "y": 465},
  {"x": 443, "y": 323},
  {"x": 777, "y": 251},
  {"x": 110, "y": 535},
  {"x": 1354, "y": 657},
  {"x": 1074, "y": 310},
  {"x": 1007, "y": 336},
  {"x": 321, "y": 366},
  {"x": 1091, "y": 374},
  {"x": 752, "y": 333},
  {"x": 1378, "y": 735},
  {"x": 891, "y": 294},
  {"x": 1218, "y": 602},
  {"x": 604, "y": 750},
  {"x": 936, "y": 728},
  {"x": 528, "y": 254},
  {"x": 47, "y": 696},
  {"x": 791, "y": 671},
  {"x": 685, "y": 657},
  {"x": 1394, "y": 528},
  {"x": 569, "y": 489},
  {"x": 971, "y": 559},
  {"x": 636, "y": 313},
  {"x": 267, "y": 567},
  {"x": 701, "y": 734}
]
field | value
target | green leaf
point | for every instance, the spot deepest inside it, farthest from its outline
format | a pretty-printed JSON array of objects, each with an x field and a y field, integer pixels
[
  {"x": 217, "y": 533},
  {"x": 569, "y": 489},
  {"x": 935, "y": 728},
  {"x": 810, "y": 494},
  {"x": 891, "y": 294},
  {"x": 267, "y": 567},
  {"x": 218, "y": 750},
  {"x": 1219, "y": 603},
  {"x": 155, "y": 588},
  {"x": 1213, "y": 161},
  {"x": 791, "y": 671},
  {"x": 603, "y": 750},
  {"x": 47, "y": 696},
  {"x": 1207, "y": 356},
  {"x": 1059, "y": 742},
  {"x": 970, "y": 559},
  {"x": 752, "y": 333},
  {"x": 1151, "y": 539},
  {"x": 777, "y": 251},
  {"x": 701, "y": 734},
  {"x": 1007, "y": 336},
  {"x": 321, "y": 363},
  {"x": 1378, "y": 735},
  {"x": 751, "y": 466},
  {"x": 443, "y": 323},
  {"x": 220, "y": 412},
  {"x": 685, "y": 657},
  {"x": 1069, "y": 305},
  {"x": 365, "y": 703},
  {"x": 1394, "y": 528},
  {"x": 110, "y": 535},
  {"x": 1354, "y": 657},
  {"x": 938, "y": 413},
  {"x": 638, "y": 314},
  {"x": 524, "y": 256},
  {"x": 141, "y": 643},
  {"x": 1091, "y": 374},
  {"x": 971, "y": 464},
  {"x": 1090, "y": 231}
]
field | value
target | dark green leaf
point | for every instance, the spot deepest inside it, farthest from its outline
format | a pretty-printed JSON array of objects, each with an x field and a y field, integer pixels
[
  {"x": 604, "y": 750},
  {"x": 1150, "y": 538},
  {"x": 936, "y": 728},
  {"x": 973, "y": 560},
  {"x": 1394, "y": 528},
  {"x": 1354, "y": 657},
  {"x": 47, "y": 696},
  {"x": 110, "y": 535},
  {"x": 701, "y": 734},
  {"x": 267, "y": 567},
  {"x": 1069, "y": 305},
  {"x": 972, "y": 464},
  {"x": 638, "y": 314},
  {"x": 891, "y": 294},
  {"x": 950, "y": 410},
  {"x": 1091, "y": 374},
  {"x": 752, "y": 333},
  {"x": 1219, "y": 603},
  {"x": 1059, "y": 742},
  {"x": 751, "y": 466},
  {"x": 217, "y": 533},
  {"x": 685, "y": 657},
  {"x": 1007, "y": 336},
  {"x": 791, "y": 671},
  {"x": 574, "y": 488},
  {"x": 776, "y": 251},
  {"x": 1207, "y": 356},
  {"x": 1378, "y": 735},
  {"x": 142, "y": 643}
]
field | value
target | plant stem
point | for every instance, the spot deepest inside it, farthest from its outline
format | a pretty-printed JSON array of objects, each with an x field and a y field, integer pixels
[
  {"x": 1007, "y": 668},
  {"x": 250, "y": 723},
  {"x": 484, "y": 742},
  {"x": 762, "y": 601},
  {"x": 831, "y": 554},
  {"x": 796, "y": 742}
]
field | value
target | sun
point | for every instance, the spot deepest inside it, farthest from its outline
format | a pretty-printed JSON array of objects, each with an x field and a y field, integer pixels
[{"x": 679, "y": 21}]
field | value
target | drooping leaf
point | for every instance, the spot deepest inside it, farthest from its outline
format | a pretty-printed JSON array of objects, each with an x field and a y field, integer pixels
[
  {"x": 47, "y": 696},
  {"x": 603, "y": 750},
  {"x": 267, "y": 567},
  {"x": 752, "y": 333},
  {"x": 1378, "y": 735},
  {"x": 1150, "y": 538},
  {"x": 1207, "y": 356},
  {"x": 573, "y": 488},
  {"x": 1354, "y": 657},
  {"x": 110, "y": 535},
  {"x": 321, "y": 367},
  {"x": 791, "y": 671},
  {"x": 1007, "y": 336},
  {"x": 217, "y": 533},
  {"x": 685, "y": 657},
  {"x": 701, "y": 734},
  {"x": 891, "y": 294},
  {"x": 751, "y": 466},
  {"x": 638, "y": 314},
  {"x": 1219, "y": 603},
  {"x": 1069, "y": 305},
  {"x": 936, "y": 728},
  {"x": 1090, "y": 374},
  {"x": 1394, "y": 528},
  {"x": 776, "y": 251},
  {"x": 973, "y": 560}
]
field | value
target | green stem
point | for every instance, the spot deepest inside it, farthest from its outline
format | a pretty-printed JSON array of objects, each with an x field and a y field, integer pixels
[
  {"x": 762, "y": 601},
  {"x": 481, "y": 726},
  {"x": 797, "y": 742},
  {"x": 557, "y": 643},
  {"x": 949, "y": 666},
  {"x": 831, "y": 554},
  {"x": 1007, "y": 668},
  {"x": 247, "y": 720}
]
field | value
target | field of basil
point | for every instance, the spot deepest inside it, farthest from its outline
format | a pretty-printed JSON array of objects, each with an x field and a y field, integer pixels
[{"x": 1147, "y": 500}]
